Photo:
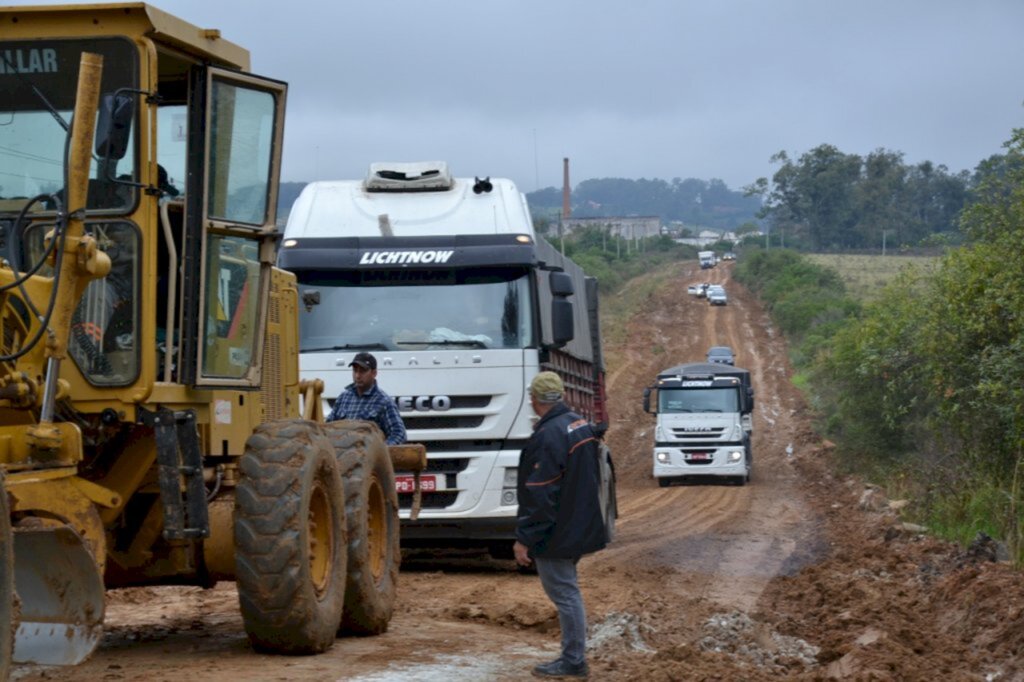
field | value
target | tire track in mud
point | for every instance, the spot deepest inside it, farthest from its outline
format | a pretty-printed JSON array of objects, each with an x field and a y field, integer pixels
[{"x": 727, "y": 541}]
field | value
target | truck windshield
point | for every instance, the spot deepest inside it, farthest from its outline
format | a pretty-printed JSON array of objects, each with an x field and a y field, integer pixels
[
  {"x": 35, "y": 76},
  {"x": 470, "y": 311},
  {"x": 676, "y": 400}
]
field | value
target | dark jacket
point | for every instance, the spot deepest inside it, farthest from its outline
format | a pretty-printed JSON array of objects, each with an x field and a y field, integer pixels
[{"x": 558, "y": 486}]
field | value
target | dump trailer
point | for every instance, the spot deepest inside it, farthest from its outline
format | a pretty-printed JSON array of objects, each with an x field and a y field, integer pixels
[
  {"x": 445, "y": 280},
  {"x": 150, "y": 423},
  {"x": 704, "y": 424}
]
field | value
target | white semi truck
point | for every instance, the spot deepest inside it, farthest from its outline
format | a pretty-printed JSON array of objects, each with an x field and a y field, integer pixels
[
  {"x": 444, "y": 280},
  {"x": 706, "y": 259},
  {"x": 704, "y": 424}
]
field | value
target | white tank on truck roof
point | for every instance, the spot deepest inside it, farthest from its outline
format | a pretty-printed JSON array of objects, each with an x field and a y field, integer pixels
[{"x": 419, "y": 199}]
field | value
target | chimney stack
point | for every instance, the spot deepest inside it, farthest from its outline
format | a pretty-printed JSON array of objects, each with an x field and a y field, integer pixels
[{"x": 566, "y": 211}]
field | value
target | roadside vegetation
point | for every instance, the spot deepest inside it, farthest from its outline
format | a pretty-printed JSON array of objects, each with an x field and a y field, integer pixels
[{"x": 922, "y": 386}]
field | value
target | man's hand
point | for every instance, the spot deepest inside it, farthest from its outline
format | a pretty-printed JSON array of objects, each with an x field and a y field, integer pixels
[{"x": 522, "y": 553}]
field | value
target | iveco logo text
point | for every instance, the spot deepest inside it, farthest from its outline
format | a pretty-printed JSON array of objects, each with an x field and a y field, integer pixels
[
  {"x": 697, "y": 428},
  {"x": 404, "y": 257},
  {"x": 424, "y": 403}
]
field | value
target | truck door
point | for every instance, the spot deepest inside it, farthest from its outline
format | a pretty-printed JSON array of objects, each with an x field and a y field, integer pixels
[{"x": 235, "y": 133}]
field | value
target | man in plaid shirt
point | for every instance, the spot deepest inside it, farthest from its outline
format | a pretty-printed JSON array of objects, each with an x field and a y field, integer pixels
[{"x": 363, "y": 400}]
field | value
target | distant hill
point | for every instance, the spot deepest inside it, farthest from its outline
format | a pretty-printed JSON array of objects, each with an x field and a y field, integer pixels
[{"x": 707, "y": 203}]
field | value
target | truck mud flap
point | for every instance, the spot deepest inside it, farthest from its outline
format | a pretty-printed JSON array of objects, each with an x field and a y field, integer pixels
[{"x": 61, "y": 594}]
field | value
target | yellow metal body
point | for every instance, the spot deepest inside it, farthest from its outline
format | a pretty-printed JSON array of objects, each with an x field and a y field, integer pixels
[{"x": 79, "y": 445}]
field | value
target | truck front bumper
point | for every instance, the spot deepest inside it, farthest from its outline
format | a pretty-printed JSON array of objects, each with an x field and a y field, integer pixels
[{"x": 731, "y": 461}]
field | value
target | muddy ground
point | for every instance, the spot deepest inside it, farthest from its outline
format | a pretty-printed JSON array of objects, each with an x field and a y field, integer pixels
[{"x": 798, "y": 575}]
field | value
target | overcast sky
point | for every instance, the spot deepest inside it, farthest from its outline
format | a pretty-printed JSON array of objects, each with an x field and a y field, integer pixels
[{"x": 633, "y": 89}]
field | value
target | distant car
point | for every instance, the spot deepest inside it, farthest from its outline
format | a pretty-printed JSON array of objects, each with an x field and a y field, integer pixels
[
  {"x": 728, "y": 255},
  {"x": 702, "y": 289},
  {"x": 721, "y": 355},
  {"x": 693, "y": 289},
  {"x": 716, "y": 295}
]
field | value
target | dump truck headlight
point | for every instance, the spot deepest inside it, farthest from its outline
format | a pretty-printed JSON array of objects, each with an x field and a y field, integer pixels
[
  {"x": 735, "y": 455},
  {"x": 662, "y": 457}
]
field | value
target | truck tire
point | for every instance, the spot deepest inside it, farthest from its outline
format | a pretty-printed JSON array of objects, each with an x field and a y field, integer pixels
[
  {"x": 8, "y": 610},
  {"x": 371, "y": 507},
  {"x": 290, "y": 539}
]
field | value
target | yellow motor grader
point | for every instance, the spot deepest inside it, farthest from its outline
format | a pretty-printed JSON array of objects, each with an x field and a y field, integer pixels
[{"x": 153, "y": 426}]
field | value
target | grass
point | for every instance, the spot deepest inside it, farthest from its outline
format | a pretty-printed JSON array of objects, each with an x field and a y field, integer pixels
[{"x": 865, "y": 276}]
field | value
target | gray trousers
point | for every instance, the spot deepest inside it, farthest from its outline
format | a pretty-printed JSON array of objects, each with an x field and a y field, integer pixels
[{"x": 558, "y": 577}]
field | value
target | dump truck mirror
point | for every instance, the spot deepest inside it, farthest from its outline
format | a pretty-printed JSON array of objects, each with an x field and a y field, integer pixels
[
  {"x": 114, "y": 125},
  {"x": 647, "y": 400},
  {"x": 562, "y": 331},
  {"x": 561, "y": 284}
]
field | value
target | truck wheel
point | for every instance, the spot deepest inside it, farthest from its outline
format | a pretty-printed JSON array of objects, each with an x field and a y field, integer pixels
[
  {"x": 664, "y": 482},
  {"x": 7, "y": 604},
  {"x": 290, "y": 544},
  {"x": 371, "y": 507}
]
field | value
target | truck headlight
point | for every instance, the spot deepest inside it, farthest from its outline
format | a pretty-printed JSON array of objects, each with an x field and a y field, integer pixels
[
  {"x": 662, "y": 457},
  {"x": 735, "y": 455},
  {"x": 511, "y": 477}
]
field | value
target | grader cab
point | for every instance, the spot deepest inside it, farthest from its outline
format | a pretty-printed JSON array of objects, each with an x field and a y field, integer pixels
[{"x": 153, "y": 426}]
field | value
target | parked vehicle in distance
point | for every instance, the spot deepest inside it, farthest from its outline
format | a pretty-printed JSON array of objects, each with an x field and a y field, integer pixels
[
  {"x": 702, "y": 289},
  {"x": 721, "y": 355},
  {"x": 694, "y": 289},
  {"x": 706, "y": 259},
  {"x": 728, "y": 255},
  {"x": 716, "y": 295}
]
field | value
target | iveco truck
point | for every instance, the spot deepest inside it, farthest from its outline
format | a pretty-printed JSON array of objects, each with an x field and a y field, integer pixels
[
  {"x": 445, "y": 281},
  {"x": 704, "y": 425}
]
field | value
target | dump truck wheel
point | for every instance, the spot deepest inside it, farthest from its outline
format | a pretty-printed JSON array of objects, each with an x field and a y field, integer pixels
[
  {"x": 290, "y": 539},
  {"x": 8, "y": 622},
  {"x": 371, "y": 507}
]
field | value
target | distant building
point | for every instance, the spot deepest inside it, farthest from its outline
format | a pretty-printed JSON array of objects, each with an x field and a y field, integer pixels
[{"x": 631, "y": 227}]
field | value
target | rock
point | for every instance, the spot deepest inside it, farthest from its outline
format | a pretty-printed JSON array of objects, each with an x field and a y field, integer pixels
[
  {"x": 897, "y": 505},
  {"x": 913, "y": 528},
  {"x": 872, "y": 499}
]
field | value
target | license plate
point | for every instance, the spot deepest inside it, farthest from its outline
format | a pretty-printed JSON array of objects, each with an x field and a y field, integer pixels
[
  {"x": 407, "y": 484},
  {"x": 697, "y": 457}
]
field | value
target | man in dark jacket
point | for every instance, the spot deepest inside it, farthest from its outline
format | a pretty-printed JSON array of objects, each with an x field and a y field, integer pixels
[{"x": 559, "y": 518}]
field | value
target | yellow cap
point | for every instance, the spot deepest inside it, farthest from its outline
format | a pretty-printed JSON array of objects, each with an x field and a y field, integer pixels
[{"x": 547, "y": 387}]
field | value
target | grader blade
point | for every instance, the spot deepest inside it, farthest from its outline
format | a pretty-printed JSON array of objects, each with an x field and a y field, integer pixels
[{"x": 61, "y": 594}]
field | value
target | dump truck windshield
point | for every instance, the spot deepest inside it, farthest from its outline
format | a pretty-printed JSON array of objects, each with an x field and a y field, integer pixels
[
  {"x": 467, "y": 312},
  {"x": 698, "y": 400},
  {"x": 38, "y": 80}
]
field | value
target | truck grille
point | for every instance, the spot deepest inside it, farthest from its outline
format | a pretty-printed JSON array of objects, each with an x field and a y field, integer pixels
[{"x": 710, "y": 434}]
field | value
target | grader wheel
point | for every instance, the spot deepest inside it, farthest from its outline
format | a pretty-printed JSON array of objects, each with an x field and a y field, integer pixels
[
  {"x": 290, "y": 539},
  {"x": 7, "y": 604},
  {"x": 371, "y": 507}
]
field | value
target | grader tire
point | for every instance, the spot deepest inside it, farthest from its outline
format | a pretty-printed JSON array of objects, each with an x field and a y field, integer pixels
[
  {"x": 7, "y": 601},
  {"x": 371, "y": 507},
  {"x": 290, "y": 539}
]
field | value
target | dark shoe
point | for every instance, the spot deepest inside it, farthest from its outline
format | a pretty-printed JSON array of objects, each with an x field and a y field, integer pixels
[{"x": 562, "y": 669}]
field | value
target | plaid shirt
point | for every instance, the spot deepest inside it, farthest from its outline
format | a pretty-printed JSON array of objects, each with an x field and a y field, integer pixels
[{"x": 373, "y": 406}]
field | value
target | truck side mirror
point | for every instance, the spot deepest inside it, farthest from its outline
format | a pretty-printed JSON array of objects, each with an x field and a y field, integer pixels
[
  {"x": 561, "y": 284},
  {"x": 562, "y": 331},
  {"x": 750, "y": 399},
  {"x": 647, "y": 400},
  {"x": 114, "y": 125}
]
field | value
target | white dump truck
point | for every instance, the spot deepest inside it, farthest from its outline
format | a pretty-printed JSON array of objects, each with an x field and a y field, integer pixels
[
  {"x": 445, "y": 281},
  {"x": 704, "y": 423},
  {"x": 706, "y": 259}
]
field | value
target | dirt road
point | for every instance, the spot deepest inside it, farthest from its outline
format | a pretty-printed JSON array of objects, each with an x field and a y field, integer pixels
[{"x": 796, "y": 575}]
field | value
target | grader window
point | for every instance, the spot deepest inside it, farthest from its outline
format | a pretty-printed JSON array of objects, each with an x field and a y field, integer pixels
[
  {"x": 38, "y": 82},
  {"x": 232, "y": 306},
  {"x": 242, "y": 122}
]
